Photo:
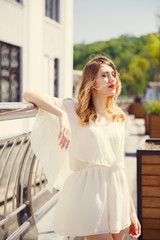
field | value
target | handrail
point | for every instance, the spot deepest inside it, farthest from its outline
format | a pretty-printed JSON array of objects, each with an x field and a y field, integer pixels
[
  {"x": 37, "y": 216},
  {"x": 23, "y": 195},
  {"x": 17, "y": 110}
]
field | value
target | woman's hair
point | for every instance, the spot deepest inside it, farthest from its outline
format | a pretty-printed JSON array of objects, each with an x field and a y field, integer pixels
[{"x": 85, "y": 109}]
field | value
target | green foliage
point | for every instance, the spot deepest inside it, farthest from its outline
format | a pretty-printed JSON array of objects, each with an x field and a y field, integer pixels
[
  {"x": 152, "y": 107},
  {"x": 154, "y": 48},
  {"x": 135, "y": 58}
]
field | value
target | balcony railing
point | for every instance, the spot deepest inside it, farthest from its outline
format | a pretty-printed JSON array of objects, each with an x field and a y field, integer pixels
[{"x": 24, "y": 200}]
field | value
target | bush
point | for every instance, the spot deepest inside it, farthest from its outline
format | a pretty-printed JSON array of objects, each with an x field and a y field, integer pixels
[{"x": 152, "y": 107}]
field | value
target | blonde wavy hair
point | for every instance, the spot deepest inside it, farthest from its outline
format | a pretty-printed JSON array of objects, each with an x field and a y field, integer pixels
[{"x": 85, "y": 109}]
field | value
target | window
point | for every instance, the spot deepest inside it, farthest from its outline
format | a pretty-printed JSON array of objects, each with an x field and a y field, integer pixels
[
  {"x": 56, "y": 76},
  {"x": 52, "y": 9},
  {"x": 9, "y": 73}
]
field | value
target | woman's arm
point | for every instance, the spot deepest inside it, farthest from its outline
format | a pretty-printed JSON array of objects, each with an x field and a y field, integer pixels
[
  {"x": 41, "y": 101},
  {"x": 135, "y": 227}
]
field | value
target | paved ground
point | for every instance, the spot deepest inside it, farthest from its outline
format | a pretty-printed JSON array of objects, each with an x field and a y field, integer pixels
[{"x": 134, "y": 138}]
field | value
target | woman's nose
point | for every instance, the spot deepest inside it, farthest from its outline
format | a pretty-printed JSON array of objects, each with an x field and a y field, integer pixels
[{"x": 112, "y": 79}]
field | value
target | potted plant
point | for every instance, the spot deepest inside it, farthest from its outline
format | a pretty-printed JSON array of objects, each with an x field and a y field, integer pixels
[
  {"x": 138, "y": 107},
  {"x": 152, "y": 118}
]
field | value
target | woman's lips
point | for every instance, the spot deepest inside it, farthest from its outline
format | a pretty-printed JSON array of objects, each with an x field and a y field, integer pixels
[{"x": 112, "y": 86}]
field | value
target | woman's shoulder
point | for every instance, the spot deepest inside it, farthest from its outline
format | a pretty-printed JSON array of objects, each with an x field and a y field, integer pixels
[
  {"x": 71, "y": 99},
  {"x": 70, "y": 102},
  {"x": 120, "y": 115},
  {"x": 60, "y": 101}
]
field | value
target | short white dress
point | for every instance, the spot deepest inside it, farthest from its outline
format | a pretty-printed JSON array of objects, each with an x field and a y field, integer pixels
[{"x": 94, "y": 195}]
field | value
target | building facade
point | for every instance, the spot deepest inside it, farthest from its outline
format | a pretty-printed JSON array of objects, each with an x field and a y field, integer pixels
[
  {"x": 36, "y": 48},
  {"x": 152, "y": 91}
]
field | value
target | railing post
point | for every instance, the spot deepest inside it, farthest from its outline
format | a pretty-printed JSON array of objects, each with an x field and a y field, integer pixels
[{"x": 24, "y": 189}]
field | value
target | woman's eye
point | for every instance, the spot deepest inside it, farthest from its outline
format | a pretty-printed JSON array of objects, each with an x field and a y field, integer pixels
[{"x": 104, "y": 75}]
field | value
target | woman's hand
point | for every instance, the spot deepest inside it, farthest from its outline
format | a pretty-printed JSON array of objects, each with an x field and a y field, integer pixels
[
  {"x": 135, "y": 227},
  {"x": 65, "y": 131}
]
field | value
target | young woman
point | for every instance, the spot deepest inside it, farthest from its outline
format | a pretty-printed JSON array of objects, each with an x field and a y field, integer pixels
[{"x": 80, "y": 144}]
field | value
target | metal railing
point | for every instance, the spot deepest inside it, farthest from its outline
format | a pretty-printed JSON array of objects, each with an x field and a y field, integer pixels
[{"x": 24, "y": 199}]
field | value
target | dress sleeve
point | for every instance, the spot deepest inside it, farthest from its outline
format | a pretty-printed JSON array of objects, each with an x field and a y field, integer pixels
[{"x": 45, "y": 145}]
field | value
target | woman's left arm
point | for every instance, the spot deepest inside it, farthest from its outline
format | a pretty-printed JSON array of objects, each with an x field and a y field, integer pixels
[{"x": 135, "y": 227}]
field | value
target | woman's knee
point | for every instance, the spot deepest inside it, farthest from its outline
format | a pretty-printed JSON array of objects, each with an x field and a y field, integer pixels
[
  {"x": 104, "y": 236},
  {"x": 120, "y": 235}
]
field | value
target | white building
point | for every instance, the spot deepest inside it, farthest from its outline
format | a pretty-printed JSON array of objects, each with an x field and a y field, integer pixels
[
  {"x": 36, "y": 49},
  {"x": 152, "y": 91}
]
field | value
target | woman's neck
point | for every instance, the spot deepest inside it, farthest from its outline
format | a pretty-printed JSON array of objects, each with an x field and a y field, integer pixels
[{"x": 99, "y": 102}]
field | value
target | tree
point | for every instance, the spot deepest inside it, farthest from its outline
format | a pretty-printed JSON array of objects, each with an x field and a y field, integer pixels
[{"x": 135, "y": 59}]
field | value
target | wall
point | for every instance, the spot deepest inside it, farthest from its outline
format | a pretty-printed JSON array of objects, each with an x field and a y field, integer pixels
[{"x": 41, "y": 40}]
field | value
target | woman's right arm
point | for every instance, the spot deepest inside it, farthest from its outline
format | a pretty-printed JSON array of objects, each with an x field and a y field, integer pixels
[{"x": 41, "y": 101}]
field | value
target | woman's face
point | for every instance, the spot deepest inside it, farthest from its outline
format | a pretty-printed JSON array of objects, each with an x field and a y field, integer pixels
[{"x": 105, "y": 80}]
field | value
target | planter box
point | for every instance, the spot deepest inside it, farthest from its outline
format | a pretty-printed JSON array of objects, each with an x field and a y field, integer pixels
[
  {"x": 138, "y": 110},
  {"x": 154, "y": 125},
  {"x": 148, "y": 189},
  {"x": 131, "y": 108}
]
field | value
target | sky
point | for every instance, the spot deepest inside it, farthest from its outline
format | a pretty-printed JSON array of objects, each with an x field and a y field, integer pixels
[{"x": 101, "y": 20}]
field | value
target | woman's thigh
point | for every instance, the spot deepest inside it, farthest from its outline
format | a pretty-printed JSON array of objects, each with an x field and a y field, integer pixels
[
  {"x": 119, "y": 236},
  {"x": 104, "y": 236}
]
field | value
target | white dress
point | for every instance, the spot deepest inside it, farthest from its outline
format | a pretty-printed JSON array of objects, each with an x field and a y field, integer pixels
[{"x": 94, "y": 194}]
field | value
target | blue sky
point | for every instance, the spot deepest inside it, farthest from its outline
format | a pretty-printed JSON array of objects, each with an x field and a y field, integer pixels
[{"x": 98, "y": 20}]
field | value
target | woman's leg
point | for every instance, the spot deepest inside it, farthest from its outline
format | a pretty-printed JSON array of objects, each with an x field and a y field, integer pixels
[
  {"x": 107, "y": 236},
  {"x": 104, "y": 236},
  {"x": 119, "y": 236}
]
